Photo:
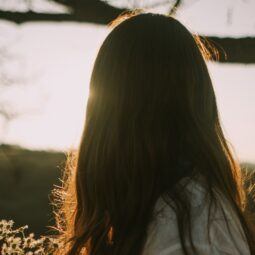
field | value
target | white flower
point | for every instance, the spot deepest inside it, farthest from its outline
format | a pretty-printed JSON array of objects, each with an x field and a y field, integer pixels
[
  {"x": 15, "y": 242},
  {"x": 39, "y": 252},
  {"x": 28, "y": 242},
  {"x": 5, "y": 227},
  {"x": 9, "y": 239},
  {"x": 4, "y": 248}
]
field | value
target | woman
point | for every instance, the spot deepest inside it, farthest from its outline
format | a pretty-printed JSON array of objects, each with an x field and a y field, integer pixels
[{"x": 154, "y": 174}]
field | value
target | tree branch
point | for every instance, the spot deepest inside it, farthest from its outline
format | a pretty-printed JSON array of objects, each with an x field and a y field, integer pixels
[
  {"x": 234, "y": 50},
  {"x": 231, "y": 50},
  {"x": 22, "y": 17},
  {"x": 94, "y": 11},
  {"x": 174, "y": 8}
]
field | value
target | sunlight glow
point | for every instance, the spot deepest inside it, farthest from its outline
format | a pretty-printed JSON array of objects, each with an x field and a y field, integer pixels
[{"x": 57, "y": 60}]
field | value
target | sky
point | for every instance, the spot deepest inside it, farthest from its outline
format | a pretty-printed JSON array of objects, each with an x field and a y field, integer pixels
[{"x": 54, "y": 62}]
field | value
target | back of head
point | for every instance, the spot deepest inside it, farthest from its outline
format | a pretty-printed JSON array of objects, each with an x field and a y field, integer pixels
[
  {"x": 151, "y": 80},
  {"x": 151, "y": 109}
]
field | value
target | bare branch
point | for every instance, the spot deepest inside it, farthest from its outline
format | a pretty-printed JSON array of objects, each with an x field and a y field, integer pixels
[
  {"x": 234, "y": 50},
  {"x": 173, "y": 10},
  {"x": 238, "y": 50},
  {"x": 96, "y": 11}
]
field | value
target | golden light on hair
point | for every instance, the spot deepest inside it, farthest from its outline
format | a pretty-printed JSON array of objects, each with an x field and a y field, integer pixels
[
  {"x": 208, "y": 48},
  {"x": 153, "y": 109},
  {"x": 124, "y": 16}
]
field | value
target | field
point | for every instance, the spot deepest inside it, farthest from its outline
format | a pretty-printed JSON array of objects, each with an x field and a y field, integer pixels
[{"x": 26, "y": 180}]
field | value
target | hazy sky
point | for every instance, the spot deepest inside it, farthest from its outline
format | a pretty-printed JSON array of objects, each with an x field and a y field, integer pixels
[{"x": 55, "y": 60}]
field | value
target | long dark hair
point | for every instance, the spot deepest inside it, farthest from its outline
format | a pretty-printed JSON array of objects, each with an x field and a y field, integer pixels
[{"x": 151, "y": 107}]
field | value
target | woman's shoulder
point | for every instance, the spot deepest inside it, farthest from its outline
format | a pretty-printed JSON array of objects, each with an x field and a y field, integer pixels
[
  {"x": 195, "y": 192},
  {"x": 225, "y": 235}
]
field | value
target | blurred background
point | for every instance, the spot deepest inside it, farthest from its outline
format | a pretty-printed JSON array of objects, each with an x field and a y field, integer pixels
[{"x": 47, "y": 50}]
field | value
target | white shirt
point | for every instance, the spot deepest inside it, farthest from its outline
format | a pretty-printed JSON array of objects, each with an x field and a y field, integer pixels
[{"x": 163, "y": 237}]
